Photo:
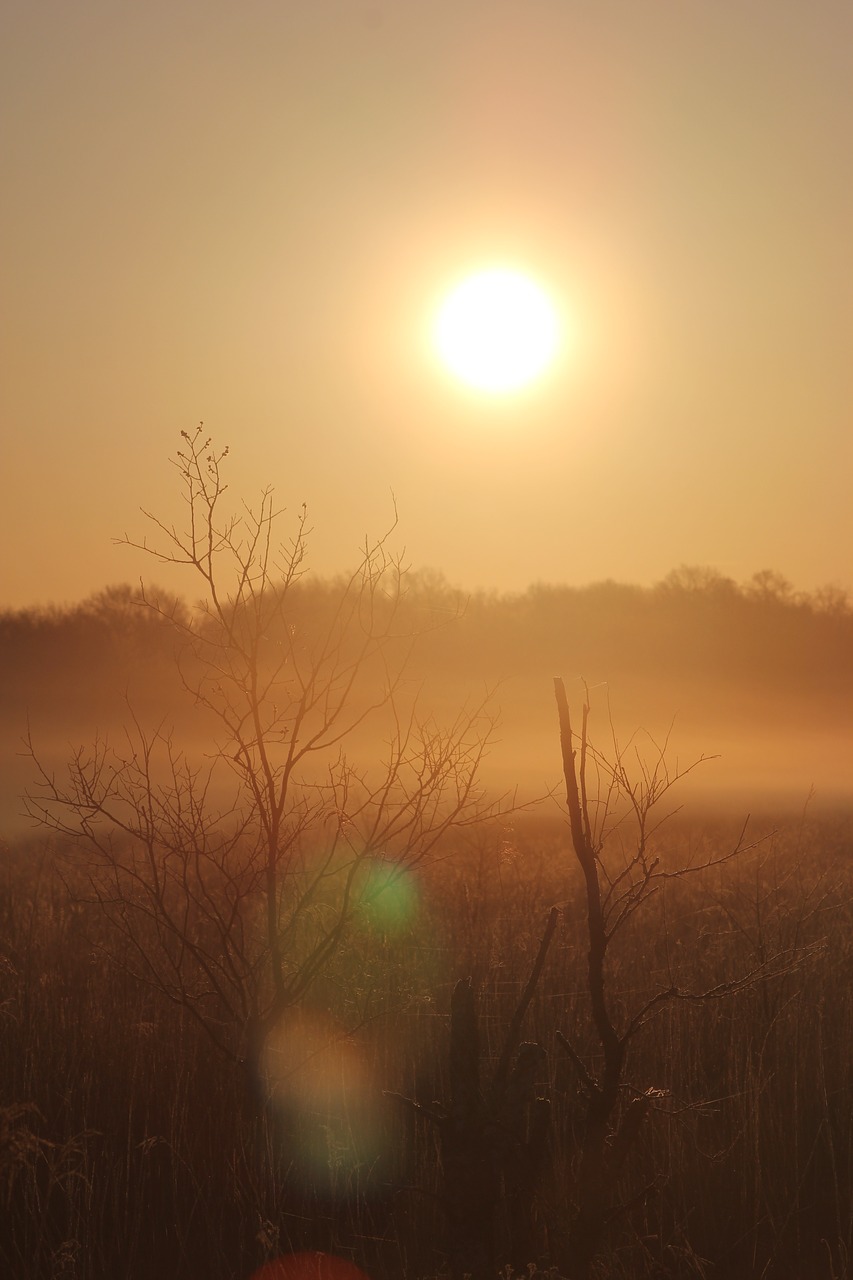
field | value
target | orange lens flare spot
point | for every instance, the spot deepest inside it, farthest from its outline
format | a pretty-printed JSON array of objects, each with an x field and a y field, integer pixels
[{"x": 309, "y": 1266}]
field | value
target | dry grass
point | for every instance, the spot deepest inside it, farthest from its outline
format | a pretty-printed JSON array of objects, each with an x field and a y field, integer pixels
[{"x": 128, "y": 1149}]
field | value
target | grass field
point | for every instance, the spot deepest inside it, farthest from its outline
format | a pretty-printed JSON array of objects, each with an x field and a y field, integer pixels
[{"x": 130, "y": 1148}]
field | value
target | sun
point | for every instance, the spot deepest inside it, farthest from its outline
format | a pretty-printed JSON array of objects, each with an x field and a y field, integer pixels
[{"x": 497, "y": 330}]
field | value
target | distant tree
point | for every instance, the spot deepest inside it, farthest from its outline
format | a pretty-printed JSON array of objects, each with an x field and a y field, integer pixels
[
  {"x": 122, "y": 608},
  {"x": 231, "y": 882},
  {"x": 767, "y": 585},
  {"x": 832, "y": 601},
  {"x": 698, "y": 579}
]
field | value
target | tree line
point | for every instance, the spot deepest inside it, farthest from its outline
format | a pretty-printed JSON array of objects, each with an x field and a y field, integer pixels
[{"x": 696, "y": 625}]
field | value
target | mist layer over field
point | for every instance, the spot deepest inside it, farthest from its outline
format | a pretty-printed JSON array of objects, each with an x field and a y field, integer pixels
[{"x": 753, "y": 675}]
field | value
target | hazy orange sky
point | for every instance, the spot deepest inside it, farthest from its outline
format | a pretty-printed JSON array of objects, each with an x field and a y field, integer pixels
[{"x": 247, "y": 213}]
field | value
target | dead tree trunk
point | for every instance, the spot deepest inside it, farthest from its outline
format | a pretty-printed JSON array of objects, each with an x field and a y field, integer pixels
[
  {"x": 492, "y": 1141},
  {"x": 614, "y": 895},
  {"x": 602, "y": 1095},
  {"x": 471, "y": 1179}
]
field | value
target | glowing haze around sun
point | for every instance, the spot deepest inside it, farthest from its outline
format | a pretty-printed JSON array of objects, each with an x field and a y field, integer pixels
[{"x": 497, "y": 330}]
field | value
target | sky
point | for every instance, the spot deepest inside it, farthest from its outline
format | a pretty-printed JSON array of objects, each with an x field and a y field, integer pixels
[{"x": 247, "y": 214}]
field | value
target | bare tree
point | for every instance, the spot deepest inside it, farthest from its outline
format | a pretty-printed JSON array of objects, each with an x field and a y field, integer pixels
[
  {"x": 620, "y": 793},
  {"x": 231, "y": 882}
]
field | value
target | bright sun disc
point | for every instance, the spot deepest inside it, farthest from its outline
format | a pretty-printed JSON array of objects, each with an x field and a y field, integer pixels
[{"x": 497, "y": 330}]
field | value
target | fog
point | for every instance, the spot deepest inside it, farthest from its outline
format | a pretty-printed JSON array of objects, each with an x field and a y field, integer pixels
[{"x": 753, "y": 677}]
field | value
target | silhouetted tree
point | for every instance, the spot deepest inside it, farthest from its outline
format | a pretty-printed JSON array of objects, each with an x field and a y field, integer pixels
[
  {"x": 231, "y": 882},
  {"x": 606, "y": 794}
]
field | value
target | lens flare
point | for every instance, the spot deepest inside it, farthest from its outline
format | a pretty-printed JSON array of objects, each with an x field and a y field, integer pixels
[
  {"x": 309, "y": 1266},
  {"x": 327, "y": 1110},
  {"x": 389, "y": 897}
]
